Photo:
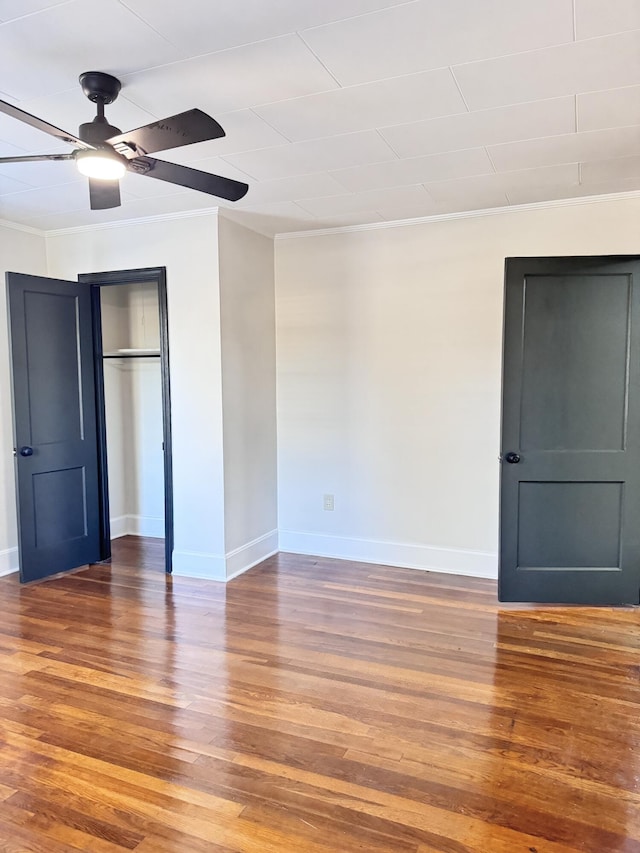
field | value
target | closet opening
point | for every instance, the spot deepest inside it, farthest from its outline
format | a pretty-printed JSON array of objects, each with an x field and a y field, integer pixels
[{"x": 131, "y": 358}]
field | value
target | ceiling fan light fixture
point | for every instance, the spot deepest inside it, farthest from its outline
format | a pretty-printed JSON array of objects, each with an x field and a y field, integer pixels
[
  {"x": 100, "y": 164},
  {"x": 104, "y": 154}
]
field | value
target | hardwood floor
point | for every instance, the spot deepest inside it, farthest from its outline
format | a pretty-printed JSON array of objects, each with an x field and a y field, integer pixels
[{"x": 312, "y": 706}]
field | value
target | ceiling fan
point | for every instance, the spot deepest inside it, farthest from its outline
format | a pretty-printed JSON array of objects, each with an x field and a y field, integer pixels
[{"x": 103, "y": 153}]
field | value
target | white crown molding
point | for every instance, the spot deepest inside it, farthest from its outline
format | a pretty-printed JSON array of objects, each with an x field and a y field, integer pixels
[
  {"x": 464, "y": 214},
  {"x": 27, "y": 229},
  {"x": 323, "y": 232},
  {"x": 127, "y": 223}
]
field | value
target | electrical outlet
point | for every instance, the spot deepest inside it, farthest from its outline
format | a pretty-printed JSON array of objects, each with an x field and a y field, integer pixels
[{"x": 328, "y": 503}]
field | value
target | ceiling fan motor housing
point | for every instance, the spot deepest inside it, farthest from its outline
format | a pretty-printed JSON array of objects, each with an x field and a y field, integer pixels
[
  {"x": 96, "y": 132},
  {"x": 99, "y": 87}
]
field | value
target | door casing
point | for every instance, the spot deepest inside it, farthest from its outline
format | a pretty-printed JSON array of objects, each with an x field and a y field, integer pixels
[{"x": 95, "y": 281}]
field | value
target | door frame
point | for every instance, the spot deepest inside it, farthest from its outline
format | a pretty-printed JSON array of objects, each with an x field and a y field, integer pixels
[
  {"x": 157, "y": 275},
  {"x": 514, "y": 269}
]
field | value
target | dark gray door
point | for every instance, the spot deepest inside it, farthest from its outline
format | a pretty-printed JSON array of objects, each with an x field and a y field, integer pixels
[
  {"x": 54, "y": 424},
  {"x": 570, "y": 491}
]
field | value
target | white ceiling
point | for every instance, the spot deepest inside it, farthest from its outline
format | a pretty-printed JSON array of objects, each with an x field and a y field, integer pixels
[{"x": 337, "y": 112}]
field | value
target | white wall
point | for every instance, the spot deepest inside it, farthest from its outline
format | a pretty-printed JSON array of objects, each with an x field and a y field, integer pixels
[
  {"x": 23, "y": 252},
  {"x": 389, "y": 376},
  {"x": 247, "y": 312},
  {"x": 133, "y": 408},
  {"x": 189, "y": 250},
  {"x": 212, "y": 539},
  {"x": 117, "y": 397},
  {"x": 145, "y": 464},
  {"x": 117, "y": 394}
]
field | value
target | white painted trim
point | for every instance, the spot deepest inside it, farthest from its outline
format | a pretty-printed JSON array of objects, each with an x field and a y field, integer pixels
[
  {"x": 137, "y": 525},
  {"x": 323, "y": 232},
  {"x": 478, "y": 564},
  {"x": 196, "y": 564},
  {"x": 247, "y": 556},
  {"x": 144, "y": 525},
  {"x": 127, "y": 223},
  {"x": 17, "y": 226},
  {"x": 119, "y": 526},
  {"x": 9, "y": 562},
  {"x": 213, "y": 567},
  {"x": 463, "y": 214}
]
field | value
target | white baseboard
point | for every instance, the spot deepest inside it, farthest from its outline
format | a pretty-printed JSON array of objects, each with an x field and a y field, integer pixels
[
  {"x": 119, "y": 526},
  {"x": 137, "y": 525},
  {"x": 9, "y": 562},
  {"x": 457, "y": 561},
  {"x": 195, "y": 564},
  {"x": 478, "y": 564},
  {"x": 481, "y": 564},
  {"x": 244, "y": 558},
  {"x": 145, "y": 525}
]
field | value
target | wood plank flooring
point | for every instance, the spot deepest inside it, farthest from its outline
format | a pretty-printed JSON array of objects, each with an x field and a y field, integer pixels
[{"x": 312, "y": 706}]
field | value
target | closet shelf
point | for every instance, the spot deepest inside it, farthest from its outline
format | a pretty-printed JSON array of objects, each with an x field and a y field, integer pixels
[{"x": 133, "y": 353}]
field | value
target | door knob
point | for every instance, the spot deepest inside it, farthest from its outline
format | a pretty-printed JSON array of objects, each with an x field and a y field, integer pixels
[
  {"x": 512, "y": 458},
  {"x": 26, "y": 451}
]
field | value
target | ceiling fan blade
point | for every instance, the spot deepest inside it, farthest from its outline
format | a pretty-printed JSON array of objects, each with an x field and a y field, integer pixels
[
  {"x": 184, "y": 176},
  {"x": 44, "y": 126},
  {"x": 33, "y": 158},
  {"x": 182, "y": 129},
  {"x": 104, "y": 194}
]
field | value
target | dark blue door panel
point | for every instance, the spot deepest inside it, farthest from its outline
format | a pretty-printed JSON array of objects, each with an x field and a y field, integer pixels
[{"x": 54, "y": 424}]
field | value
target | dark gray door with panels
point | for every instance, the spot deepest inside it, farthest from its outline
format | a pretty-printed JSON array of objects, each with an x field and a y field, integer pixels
[
  {"x": 56, "y": 449},
  {"x": 570, "y": 449}
]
